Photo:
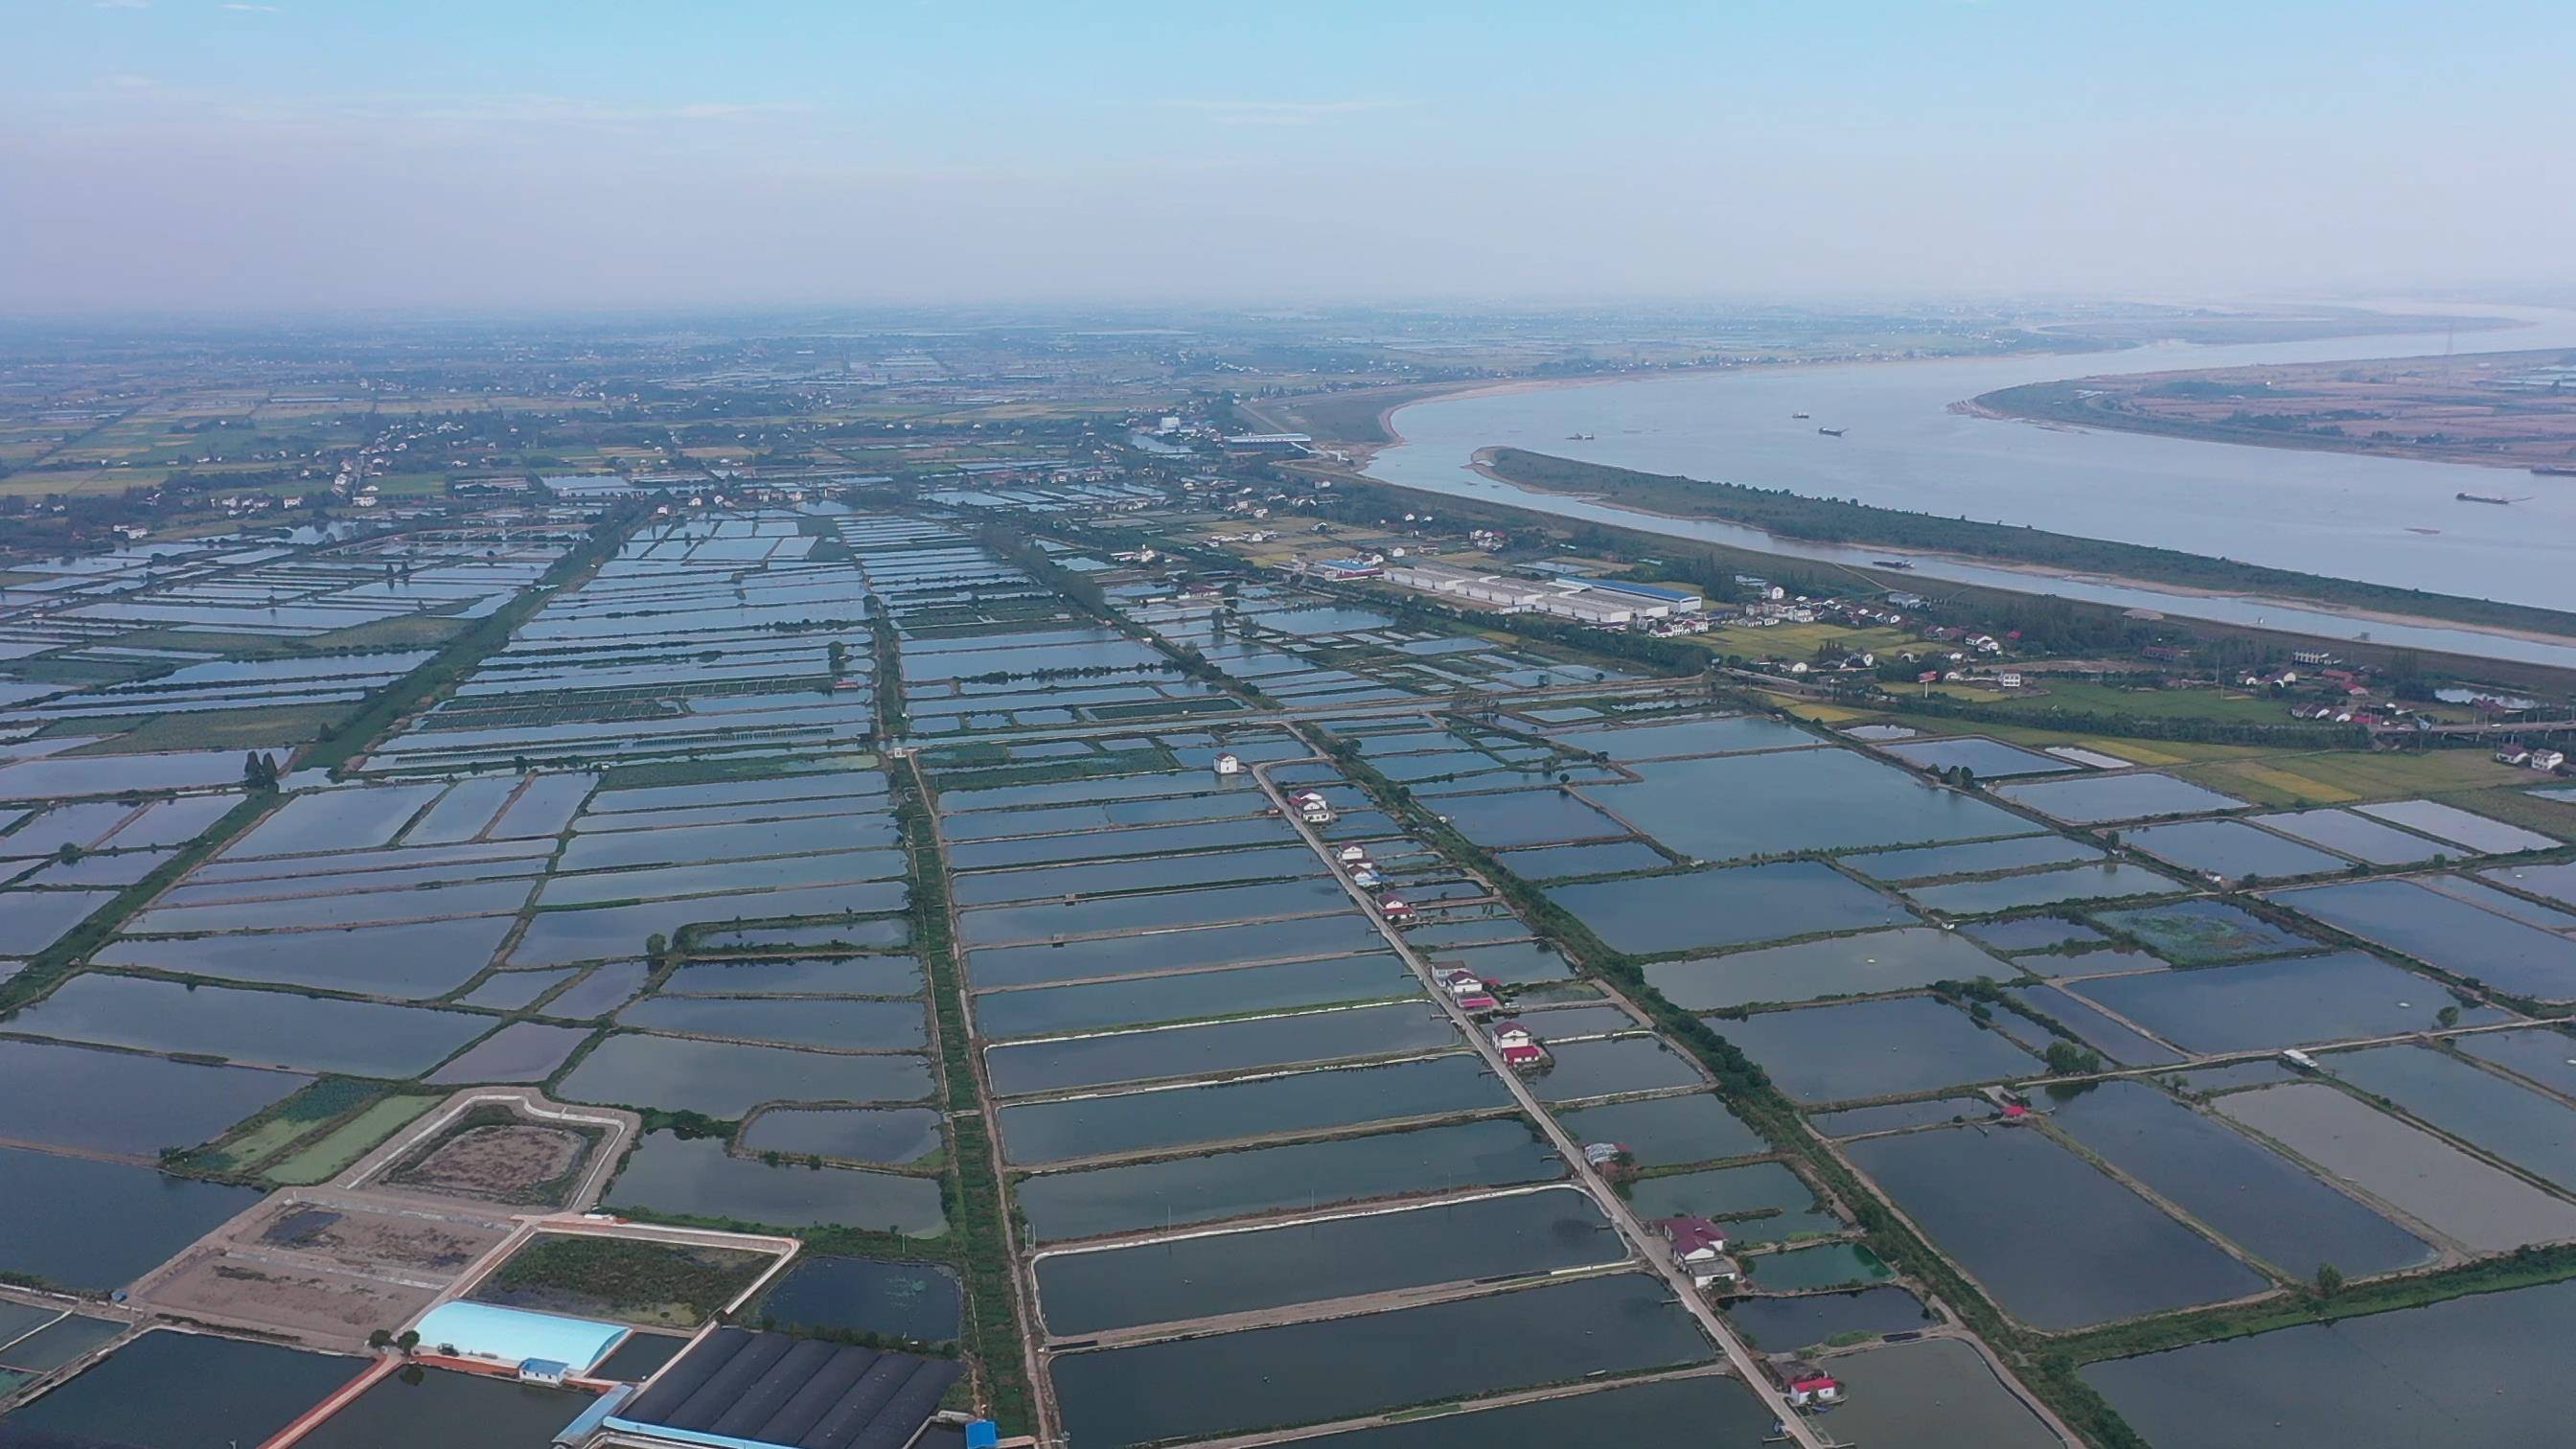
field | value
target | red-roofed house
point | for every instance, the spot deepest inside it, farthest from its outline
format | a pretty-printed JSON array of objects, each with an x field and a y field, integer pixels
[
  {"x": 1699, "y": 1246},
  {"x": 1803, "y": 1383},
  {"x": 1519, "y": 1048}
]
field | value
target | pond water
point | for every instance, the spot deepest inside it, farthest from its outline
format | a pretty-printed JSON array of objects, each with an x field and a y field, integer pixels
[
  {"x": 57, "y": 1343},
  {"x": 1666, "y": 1131},
  {"x": 447, "y": 1408},
  {"x": 979, "y": 825},
  {"x": 866, "y": 1295},
  {"x": 1527, "y": 817},
  {"x": 1932, "y": 1391},
  {"x": 1777, "y": 1324},
  {"x": 2043, "y": 888},
  {"x": 1146, "y": 841},
  {"x": 1871, "y": 961},
  {"x": 1865, "y": 1049},
  {"x": 1928, "y": 862},
  {"x": 2358, "y": 836},
  {"x": 726, "y": 1079},
  {"x": 1038, "y": 1132},
  {"x": 2102, "y": 1252},
  {"x": 1647, "y": 915},
  {"x": 2543, "y": 1055},
  {"x": 1558, "y": 862},
  {"x": 2446, "y": 932},
  {"x": 2460, "y": 827},
  {"x": 890, "y": 933},
  {"x": 1762, "y": 1202},
  {"x": 2096, "y": 799},
  {"x": 2111, "y": 1038},
  {"x": 2258, "y": 1199},
  {"x": 277, "y": 1028},
  {"x": 103, "y": 1101},
  {"x": 697, "y": 1177},
  {"x": 414, "y": 962},
  {"x": 359, "y": 901},
  {"x": 1582, "y": 1069},
  {"x": 889, "y": 1135},
  {"x": 2482, "y": 1369},
  {"x": 92, "y": 1226},
  {"x": 1140, "y": 1001},
  {"x": 996, "y": 925},
  {"x": 2203, "y": 932},
  {"x": 2555, "y": 882},
  {"x": 1346, "y": 1257},
  {"x": 1510, "y": 962},
  {"x": 334, "y": 820},
  {"x": 1592, "y": 1018},
  {"x": 1715, "y": 735},
  {"x": 602, "y": 991},
  {"x": 523, "y": 1051},
  {"x": 1823, "y": 1265},
  {"x": 1160, "y": 872},
  {"x": 2232, "y": 849},
  {"x": 1312, "y": 1372},
  {"x": 844, "y": 1023},
  {"x": 1827, "y": 799},
  {"x": 796, "y": 976},
  {"x": 1985, "y": 758},
  {"x": 1712, "y": 1410},
  {"x": 1225, "y": 1046},
  {"x": 1303, "y": 1175},
  {"x": 32, "y": 920},
  {"x": 1712, "y": 736},
  {"x": 1892, "y": 1116},
  {"x": 172, "y": 1390},
  {"x": 2411, "y": 1170},
  {"x": 510, "y": 990},
  {"x": 2032, "y": 933},
  {"x": 2272, "y": 1004},
  {"x": 2478, "y": 1107}
]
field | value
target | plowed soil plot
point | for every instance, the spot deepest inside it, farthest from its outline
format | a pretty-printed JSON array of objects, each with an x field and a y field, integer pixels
[
  {"x": 374, "y": 1240},
  {"x": 506, "y": 1163},
  {"x": 313, "y": 1301}
]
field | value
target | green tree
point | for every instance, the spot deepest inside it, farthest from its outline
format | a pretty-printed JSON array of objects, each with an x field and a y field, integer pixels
[
  {"x": 2066, "y": 1059},
  {"x": 2329, "y": 1280}
]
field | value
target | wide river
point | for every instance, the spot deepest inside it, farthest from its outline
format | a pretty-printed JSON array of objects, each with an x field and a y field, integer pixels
[{"x": 2324, "y": 513}]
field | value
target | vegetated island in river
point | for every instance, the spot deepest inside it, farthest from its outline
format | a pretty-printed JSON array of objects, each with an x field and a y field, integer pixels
[
  {"x": 1838, "y": 521},
  {"x": 2501, "y": 409}
]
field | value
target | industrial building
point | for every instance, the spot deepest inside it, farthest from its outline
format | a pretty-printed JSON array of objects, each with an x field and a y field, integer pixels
[
  {"x": 740, "y": 1389},
  {"x": 1597, "y": 602}
]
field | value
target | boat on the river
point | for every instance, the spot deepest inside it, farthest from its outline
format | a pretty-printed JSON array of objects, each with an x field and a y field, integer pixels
[{"x": 1831, "y": 432}]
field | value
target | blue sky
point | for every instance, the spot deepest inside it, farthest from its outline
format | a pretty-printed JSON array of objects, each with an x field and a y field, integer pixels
[{"x": 455, "y": 154}]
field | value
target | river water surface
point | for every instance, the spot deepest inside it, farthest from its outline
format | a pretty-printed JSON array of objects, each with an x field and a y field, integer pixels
[{"x": 2326, "y": 513}]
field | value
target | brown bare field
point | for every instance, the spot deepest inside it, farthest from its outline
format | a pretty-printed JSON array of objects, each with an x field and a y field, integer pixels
[
  {"x": 361, "y": 1239},
  {"x": 285, "y": 1297},
  {"x": 497, "y": 1163},
  {"x": 2502, "y": 409}
]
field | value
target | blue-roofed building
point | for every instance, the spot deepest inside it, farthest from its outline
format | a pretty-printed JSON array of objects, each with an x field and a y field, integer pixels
[{"x": 515, "y": 1337}]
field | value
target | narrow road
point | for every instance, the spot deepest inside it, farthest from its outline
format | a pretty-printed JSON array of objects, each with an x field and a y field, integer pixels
[{"x": 1647, "y": 1246}]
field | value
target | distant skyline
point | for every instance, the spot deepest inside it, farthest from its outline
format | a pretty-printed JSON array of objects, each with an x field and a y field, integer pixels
[{"x": 208, "y": 157}]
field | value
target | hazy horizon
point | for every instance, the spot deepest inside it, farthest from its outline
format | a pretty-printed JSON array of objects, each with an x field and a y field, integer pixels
[{"x": 193, "y": 156}]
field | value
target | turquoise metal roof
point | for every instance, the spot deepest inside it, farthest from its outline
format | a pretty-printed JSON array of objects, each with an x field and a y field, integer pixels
[{"x": 515, "y": 1335}]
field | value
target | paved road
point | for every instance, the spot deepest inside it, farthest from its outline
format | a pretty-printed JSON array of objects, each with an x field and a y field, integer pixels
[{"x": 1646, "y": 1245}]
